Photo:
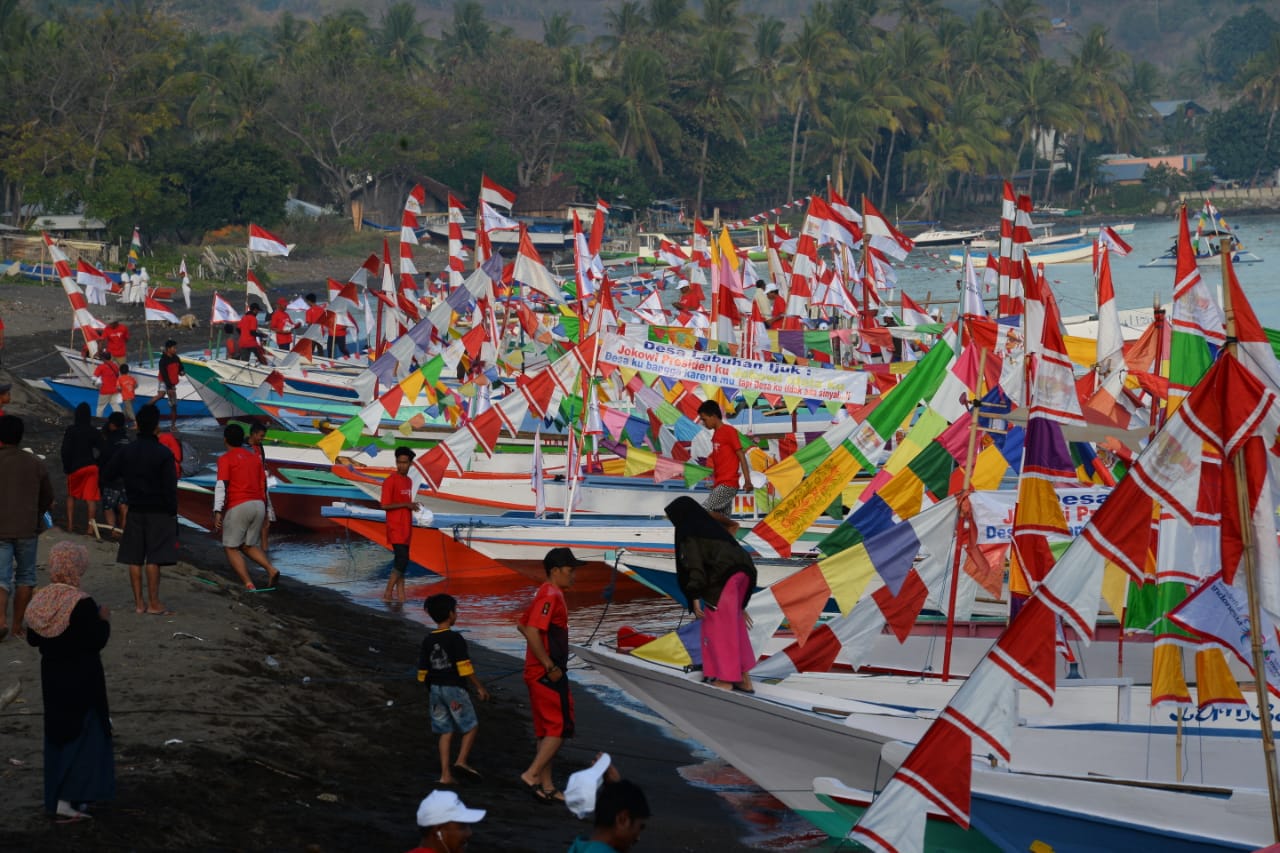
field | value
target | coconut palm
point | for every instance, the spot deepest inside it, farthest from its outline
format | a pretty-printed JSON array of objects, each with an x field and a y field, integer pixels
[
  {"x": 848, "y": 131},
  {"x": 1045, "y": 101},
  {"x": 1022, "y": 22},
  {"x": 641, "y": 120},
  {"x": 469, "y": 36},
  {"x": 558, "y": 31},
  {"x": 623, "y": 27},
  {"x": 714, "y": 96},
  {"x": 767, "y": 48},
  {"x": 913, "y": 55},
  {"x": 286, "y": 39},
  {"x": 853, "y": 21},
  {"x": 1260, "y": 83},
  {"x": 399, "y": 37},
  {"x": 1095, "y": 68},
  {"x": 669, "y": 19},
  {"x": 808, "y": 60}
]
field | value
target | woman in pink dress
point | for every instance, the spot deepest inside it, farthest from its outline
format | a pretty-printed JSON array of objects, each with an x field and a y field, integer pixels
[{"x": 717, "y": 578}]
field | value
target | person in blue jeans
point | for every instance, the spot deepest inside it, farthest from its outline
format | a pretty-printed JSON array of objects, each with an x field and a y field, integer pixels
[
  {"x": 26, "y": 494},
  {"x": 444, "y": 665}
]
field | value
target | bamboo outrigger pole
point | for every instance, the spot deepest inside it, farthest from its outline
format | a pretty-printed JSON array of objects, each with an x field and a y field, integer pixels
[{"x": 1251, "y": 578}]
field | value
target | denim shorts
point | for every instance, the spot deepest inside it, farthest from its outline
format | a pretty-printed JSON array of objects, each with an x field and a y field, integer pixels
[
  {"x": 21, "y": 552},
  {"x": 451, "y": 709}
]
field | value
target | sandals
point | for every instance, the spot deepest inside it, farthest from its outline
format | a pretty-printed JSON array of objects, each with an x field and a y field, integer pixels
[
  {"x": 542, "y": 795},
  {"x": 469, "y": 773}
]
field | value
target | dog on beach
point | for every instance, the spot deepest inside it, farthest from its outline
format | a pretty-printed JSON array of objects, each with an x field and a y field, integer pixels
[{"x": 187, "y": 321}]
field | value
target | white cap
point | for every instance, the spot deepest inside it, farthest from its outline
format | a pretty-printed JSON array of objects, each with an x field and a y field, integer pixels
[
  {"x": 684, "y": 282},
  {"x": 771, "y": 288},
  {"x": 441, "y": 807},
  {"x": 580, "y": 793}
]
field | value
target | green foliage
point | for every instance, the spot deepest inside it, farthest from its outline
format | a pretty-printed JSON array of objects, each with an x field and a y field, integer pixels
[
  {"x": 1130, "y": 200},
  {"x": 1238, "y": 39},
  {"x": 1165, "y": 180},
  {"x": 1236, "y": 142}
]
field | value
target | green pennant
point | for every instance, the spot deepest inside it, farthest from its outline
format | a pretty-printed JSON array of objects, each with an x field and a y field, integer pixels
[
  {"x": 694, "y": 474},
  {"x": 570, "y": 408},
  {"x": 572, "y": 328},
  {"x": 751, "y": 397},
  {"x": 833, "y": 407},
  {"x": 431, "y": 370}
]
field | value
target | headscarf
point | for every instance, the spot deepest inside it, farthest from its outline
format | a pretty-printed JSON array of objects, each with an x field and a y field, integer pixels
[
  {"x": 707, "y": 554},
  {"x": 81, "y": 416},
  {"x": 49, "y": 612},
  {"x": 691, "y": 520}
]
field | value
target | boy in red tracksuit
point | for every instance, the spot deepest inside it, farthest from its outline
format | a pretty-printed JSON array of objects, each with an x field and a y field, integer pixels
[{"x": 397, "y": 500}]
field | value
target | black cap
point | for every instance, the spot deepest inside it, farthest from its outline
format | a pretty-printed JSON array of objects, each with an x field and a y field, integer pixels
[
  {"x": 557, "y": 557},
  {"x": 5, "y": 387},
  {"x": 170, "y": 343}
]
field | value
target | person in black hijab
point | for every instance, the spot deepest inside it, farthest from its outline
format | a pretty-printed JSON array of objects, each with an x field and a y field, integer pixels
[{"x": 717, "y": 577}]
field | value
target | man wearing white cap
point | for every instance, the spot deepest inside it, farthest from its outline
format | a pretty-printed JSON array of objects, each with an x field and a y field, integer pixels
[{"x": 445, "y": 823}]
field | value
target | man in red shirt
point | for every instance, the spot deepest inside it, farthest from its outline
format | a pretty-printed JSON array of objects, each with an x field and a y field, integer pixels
[
  {"x": 116, "y": 336},
  {"x": 107, "y": 377},
  {"x": 727, "y": 458},
  {"x": 248, "y": 342},
  {"x": 545, "y": 626},
  {"x": 397, "y": 500},
  {"x": 169, "y": 374},
  {"x": 315, "y": 313},
  {"x": 282, "y": 324},
  {"x": 240, "y": 506}
]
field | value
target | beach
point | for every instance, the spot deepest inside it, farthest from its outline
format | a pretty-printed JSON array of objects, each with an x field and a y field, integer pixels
[{"x": 283, "y": 720}]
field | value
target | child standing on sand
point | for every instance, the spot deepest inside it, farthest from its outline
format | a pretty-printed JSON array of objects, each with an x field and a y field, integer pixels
[
  {"x": 397, "y": 500},
  {"x": 443, "y": 665}
]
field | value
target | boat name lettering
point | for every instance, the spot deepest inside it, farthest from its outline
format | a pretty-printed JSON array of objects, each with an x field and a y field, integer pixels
[{"x": 1214, "y": 713}]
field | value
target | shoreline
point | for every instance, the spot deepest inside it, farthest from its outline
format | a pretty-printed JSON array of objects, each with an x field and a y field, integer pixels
[{"x": 221, "y": 745}]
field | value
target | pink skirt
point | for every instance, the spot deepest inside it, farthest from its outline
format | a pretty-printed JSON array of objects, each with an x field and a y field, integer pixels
[{"x": 726, "y": 647}]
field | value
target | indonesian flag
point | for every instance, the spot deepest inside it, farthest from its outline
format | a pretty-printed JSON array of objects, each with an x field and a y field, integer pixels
[
  {"x": 831, "y": 225},
  {"x": 223, "y": 312},
  {"x": 700, "y": 249},
  {"x": 372, "y": 266},
  {"x": 971, "y": 300},
  {"x": 413, "y": 204},
  {"x": 530, "y": 271},
  {"x": 90, "y": 276},
  {"x": 83, "y": 319},
  {"x": 842, "y": 207},
  {"x": 597, "y": 227},
  {"x": 159, "y": 313},
  {"x": 264, "y": 242},
  {"x": 495, "y": 194},
  {"x": 651, "y": 311},
  {"x": 253, "y": 288},
  {"x": 883, "y": 236},
  {"x": 457, "y": 266},
  {"x": 913, "y": 314}
]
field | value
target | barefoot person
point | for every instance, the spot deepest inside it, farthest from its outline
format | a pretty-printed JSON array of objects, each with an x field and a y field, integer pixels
[
  {"x": 170, "y": 372},
  {"x": 727, "y": 459},
  {"x": 240, "y": 506},
  {"x": 81, "y": 446},
  {"x": 150, "y": 536},
  {"x": 26, "y": 494},
  {"x": 444, "y": 665},
  {"x": 397, "y": 500},
  {"x": 257, "y": 432},
  {"x": 70, "y": 630},
  {"x": 545, "y": 626}
]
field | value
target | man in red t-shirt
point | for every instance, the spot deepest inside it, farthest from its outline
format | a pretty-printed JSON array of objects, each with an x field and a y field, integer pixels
[
  {"x": 314, "y": 314},
  {"x": 397, "y": 500},
  {"x": 727, "y": 459},
  {"x": 116, "y": 336},
  {"x": 248, "y": 341},
  {"x": 282, "y": 324},
  {"x": 545, "y": 626},
  {"x": 240, "y": 506},
  {"x": 107, "y": 377}
]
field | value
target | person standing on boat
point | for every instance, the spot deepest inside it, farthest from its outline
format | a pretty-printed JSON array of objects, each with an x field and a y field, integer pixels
[
  {"x": 249, "y": 343},
  {"x": 727, "y": 459},
  {"x": 107, "y": 377},
  {"x": 70, "y": 629},
  {"x": 240, "y": 506},
  {"x": 717, "y": 577},
  {"x": 169, "y": 373},
  {"x": 282, "y": 324},
  {"x": 545, "y": 626},
  {"x": 313, "y": 316},
  {"x": 116, "y": 336}
]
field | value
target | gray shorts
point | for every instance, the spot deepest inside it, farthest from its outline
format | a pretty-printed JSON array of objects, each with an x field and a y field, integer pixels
[
  {"x": 242, "y": 524},
  {"x": 720, "y": 499}
]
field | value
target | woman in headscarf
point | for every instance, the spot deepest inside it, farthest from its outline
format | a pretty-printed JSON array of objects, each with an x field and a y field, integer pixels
[
  {"x": 70, "y": 630},
  {"x": 717, "y": 578},
  {"x": 81, "y": 447}
]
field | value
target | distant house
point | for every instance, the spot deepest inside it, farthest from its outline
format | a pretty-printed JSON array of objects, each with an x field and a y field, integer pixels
[
  {"x": 1121, "y": 169},
  {"x": 74, "y": 225},
  {"x": 1171, "y": 110}
]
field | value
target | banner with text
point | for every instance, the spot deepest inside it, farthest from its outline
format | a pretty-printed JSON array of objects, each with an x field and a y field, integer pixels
[
  {"x": 993, "y": 511},
  {"x": 764, "y": 377}
]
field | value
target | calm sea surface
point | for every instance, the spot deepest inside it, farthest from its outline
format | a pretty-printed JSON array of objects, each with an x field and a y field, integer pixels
[{"x": 598, "y": 608}]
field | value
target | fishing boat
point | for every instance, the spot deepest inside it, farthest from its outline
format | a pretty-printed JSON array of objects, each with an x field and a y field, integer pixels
[
  {"x": 547, "y": 234},
  {"x": 943, "y": 237},
  {"x": 1210, "y": 233},
  {"x": 1062, "y": 252}
]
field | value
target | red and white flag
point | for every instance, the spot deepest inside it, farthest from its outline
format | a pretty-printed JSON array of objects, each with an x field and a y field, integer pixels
[
  {"x": 913, "y": 314},
  {"x": 264, "y": 242},
  {"x": 254, "y": 290},
  {"x": 495, "y": 194},
  {"x": 531, "y": 273},
  {"x": 94, "y": 279},
  {"x": 495, "y": 221},
  {"x": 830, "y": 225},
  {"x": 158, "y": 313},
  {"x": 223, "y": 312},
  {"x": 883, "y": 236}
]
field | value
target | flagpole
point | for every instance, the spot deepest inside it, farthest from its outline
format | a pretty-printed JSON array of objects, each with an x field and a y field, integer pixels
[
  {"x": 1251, "y": 578},
  {"x": 962, "y": 515}
]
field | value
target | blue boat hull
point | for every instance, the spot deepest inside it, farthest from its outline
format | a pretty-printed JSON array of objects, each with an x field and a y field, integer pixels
[{"x": 70, "y": 395}]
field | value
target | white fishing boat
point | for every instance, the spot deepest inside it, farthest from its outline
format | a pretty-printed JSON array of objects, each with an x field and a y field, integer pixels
[
  {"x": 1210, "y": 233},
  {"x": 944, "y": 237}
]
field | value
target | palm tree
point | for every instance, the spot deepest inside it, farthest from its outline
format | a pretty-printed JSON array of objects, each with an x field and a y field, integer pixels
[
  {"x": 714, "y": 98},
  {"x": 669, "y": 19},
  {"x": 848, "y": 130},
  {"x": 287, "y": 37},
  {"x": 1096, "y": 71},
  {"x": 852, "y": 20},
  {"x": 399, "y": 37},
  {"x": 641, "y": 120},
  {"x": 1022, "y": 22},
  {"x": 914, "y": 57},
  {"x": 926, "y": 12},
  {"x": 721, "y": 17},
  {"x": 808, "y": 59},
  {"x": 558, "y": 31},
  {"x": 471, "y": 34},
  {"x": 1260, "y": 83},
  {"x": 1044, "y": 101},
  {"x": 624, "y": 27},
  {"x": 767, "y": 46}
]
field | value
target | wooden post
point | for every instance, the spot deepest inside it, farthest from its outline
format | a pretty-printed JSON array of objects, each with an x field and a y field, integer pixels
[
  {"x": 1250, "y": 576},
  {"x": 962, "y": 518}
]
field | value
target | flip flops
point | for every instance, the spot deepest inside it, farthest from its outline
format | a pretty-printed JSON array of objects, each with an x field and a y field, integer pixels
[{"x": 469, "y": 773}]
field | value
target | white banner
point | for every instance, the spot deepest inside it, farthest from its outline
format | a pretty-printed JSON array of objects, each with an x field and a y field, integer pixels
[
  {"x": 993, "y": 511},
  {"x": 765, "y": 377}
]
